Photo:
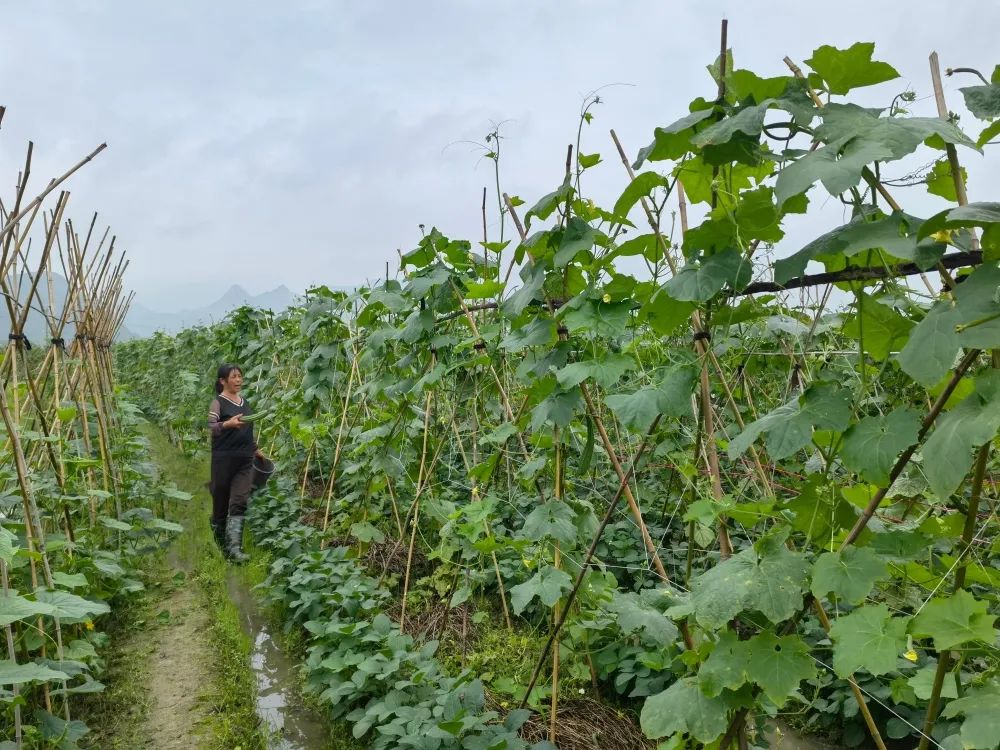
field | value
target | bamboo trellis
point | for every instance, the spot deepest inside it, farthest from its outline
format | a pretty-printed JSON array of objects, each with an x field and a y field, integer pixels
[{"x": 54, "y": 391}]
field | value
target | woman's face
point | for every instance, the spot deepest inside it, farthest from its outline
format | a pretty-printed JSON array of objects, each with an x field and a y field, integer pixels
[{"x": 233, "y": 382}]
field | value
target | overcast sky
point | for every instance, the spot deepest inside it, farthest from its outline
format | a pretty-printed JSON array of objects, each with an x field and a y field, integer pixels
[{"x": 304, "y": 142}]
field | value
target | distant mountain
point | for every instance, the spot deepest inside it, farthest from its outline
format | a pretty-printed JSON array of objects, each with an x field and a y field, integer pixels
[
  {"x": 36, "y": 328},
  {"x": 142, "y": 322}
]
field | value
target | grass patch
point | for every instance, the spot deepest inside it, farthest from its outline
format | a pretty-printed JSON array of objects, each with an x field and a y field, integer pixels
[{"x": 232, "y": 719}]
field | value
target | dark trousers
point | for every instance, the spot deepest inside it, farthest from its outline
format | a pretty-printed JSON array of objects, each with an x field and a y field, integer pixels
[{"x": 232, "y": 480}]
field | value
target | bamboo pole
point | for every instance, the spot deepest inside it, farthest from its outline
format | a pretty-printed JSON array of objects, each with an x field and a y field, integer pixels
[{"x": 416, "y": 501}]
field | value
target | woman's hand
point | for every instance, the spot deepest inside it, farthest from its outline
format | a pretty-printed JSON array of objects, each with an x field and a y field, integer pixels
[
  {"x": 233, "y": 423},
  {"x": 259, "y": 454}
]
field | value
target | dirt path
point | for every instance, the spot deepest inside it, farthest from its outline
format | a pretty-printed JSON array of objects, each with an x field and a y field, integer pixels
[
  {"x": 179, "y": 670},
  {"x": 201, "y": 690}
]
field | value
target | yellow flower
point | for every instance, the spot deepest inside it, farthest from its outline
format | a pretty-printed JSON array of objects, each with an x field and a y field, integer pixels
[
  {"x": 910, "y": 655},
  {"x": 943, "y": 236},
  {"x": 606, "y": 298},
  {"x": 89, "y": 625}
]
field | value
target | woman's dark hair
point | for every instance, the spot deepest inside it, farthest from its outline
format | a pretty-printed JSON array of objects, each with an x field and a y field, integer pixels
[{"x": 224, "y": 372}]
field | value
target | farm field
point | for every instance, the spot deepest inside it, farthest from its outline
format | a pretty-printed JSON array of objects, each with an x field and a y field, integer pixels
[{"x": 607, "y": 476}]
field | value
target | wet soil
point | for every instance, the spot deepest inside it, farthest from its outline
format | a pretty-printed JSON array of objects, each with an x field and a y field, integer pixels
[{"x": 290, "y": 724}]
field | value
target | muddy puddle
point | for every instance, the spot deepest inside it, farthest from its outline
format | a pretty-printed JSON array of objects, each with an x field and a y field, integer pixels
[{"x": 290, "y": 725}]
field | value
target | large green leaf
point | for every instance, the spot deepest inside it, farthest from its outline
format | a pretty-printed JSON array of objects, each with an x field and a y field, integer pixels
[
  {"x": 554, "y": 520},
  {"x": 973, "y": 320},
  {"x": 578, "y": 237},
  {"x": 61, "y": 733},
  {"x": 854, "y": 137},
  {"x": 745, "y": 84},
  {"x": 779, "y": 664},
  {"x": 664, "y": 314},
  {"x": 776, "y": 664},
  {"x": 14, "y": 607},
  {"x": 871, "y": 446},
  {"x": 547, "y": 203},
  {"x": 366, "y": 532},
  {"x": 557, "y": 409},
  {"x": 769, "y": 579},
  {"x": 990, "y": 132},
  {"x": 757, "y": 216},
  {"x": 819, "y": 511},
  {"x": 70, "y": 607},
  {"x": 851, "y": 68},
  {"x": 533, "y": 276},
  {"x": 642, "y": 185},
  {"x": 671, "y": 397},
  {"x": 981, "y": 709},
  {"x": 897, "y": 234},
  {"x": 683, "y": 707},
  {"x": 636, "y": 616},
  {"x": 880, "y": 329},
  {"x": 8, "y": 545},
  {"x": 12, "y": 673},
  {"x": 699, "y": 178},
  {"x": 637, "y": 409},
  {"x": 789, "y": 427},
  {"x": 868, "y": 638},
  {"x": 982, "y": 101},
  {"x": 932, "y": 346},
  {"x": 922, "y": 683},
  {"x": 591, "y": 317},
  {"x": 548, "y": 584},
  {"x": 901, "y": 136},
  {"x": 748, "y": 120},
  {"x": 540, "y": 331},
  {"x": 940, "y": 181},
  {"x": 849, "y": 574},
  {"x": 702, "y": 281},
  {"x": 838, "y": 166},
  {"x": 726, "y": 667},
  {"x": 605, "y": 372},
  {"x": 948, "y": 451},
  {"x": 674, "y": 140},
  {"x": 954, "y": 620}
]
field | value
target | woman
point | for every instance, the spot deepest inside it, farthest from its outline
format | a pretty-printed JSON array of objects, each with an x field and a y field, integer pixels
[{"x": 233, "y": 451}]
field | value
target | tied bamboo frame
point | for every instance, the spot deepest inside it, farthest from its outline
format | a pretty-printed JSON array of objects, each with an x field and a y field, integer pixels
[{"x": 36, "y": 384}]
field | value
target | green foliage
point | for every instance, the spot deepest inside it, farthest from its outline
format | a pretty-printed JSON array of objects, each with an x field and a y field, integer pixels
[
  {"x": 684, "y": 708},
  {"x": 769, "y": 579},
  {"x": 458, "y": 392},
  {"x": 872, "y": 445},
  {"x": 849, "y": 575},
  {"x": 868, "y": 638},
  {"x": 358, "y": 663},
  {"x": 953, "y": 621},
  {"x": 843, "y": 70},
  {"x": 981, "y": 713}
]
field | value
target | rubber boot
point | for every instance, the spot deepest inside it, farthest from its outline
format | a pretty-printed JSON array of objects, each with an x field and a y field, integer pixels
[
  {"x": 234, "y": 540},
  {"x": 219, "y": 532}
]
